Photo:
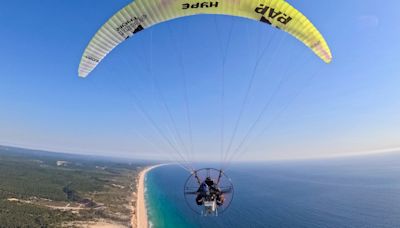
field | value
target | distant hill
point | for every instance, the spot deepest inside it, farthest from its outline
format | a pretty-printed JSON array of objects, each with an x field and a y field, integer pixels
[{"x": 60, "y": 155}]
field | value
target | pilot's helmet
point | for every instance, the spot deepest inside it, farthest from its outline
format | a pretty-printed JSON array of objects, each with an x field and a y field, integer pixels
[{"x": 209, "y": 181}]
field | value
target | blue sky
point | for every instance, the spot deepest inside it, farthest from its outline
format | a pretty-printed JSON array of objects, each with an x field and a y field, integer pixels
[{"x": 350, "y": 106}]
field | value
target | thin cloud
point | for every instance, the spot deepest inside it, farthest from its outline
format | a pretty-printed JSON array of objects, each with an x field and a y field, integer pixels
[{"x": 368, "y": 21}]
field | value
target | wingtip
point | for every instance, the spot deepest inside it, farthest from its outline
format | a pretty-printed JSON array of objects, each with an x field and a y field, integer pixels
[
  {"x": 82, "y": 75},
  {"x": 329, "y": 59}
]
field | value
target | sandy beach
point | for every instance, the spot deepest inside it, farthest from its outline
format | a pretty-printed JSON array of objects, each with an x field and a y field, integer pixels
[{"x": 141, "y": 211}]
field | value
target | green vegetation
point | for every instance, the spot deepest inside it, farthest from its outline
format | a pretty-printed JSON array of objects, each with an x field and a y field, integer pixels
[
  {"x": 42, "y": 189},
  {"x": 14, "y": 214}
]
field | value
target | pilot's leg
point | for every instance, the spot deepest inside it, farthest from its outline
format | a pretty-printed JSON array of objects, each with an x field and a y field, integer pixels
[
  {"x": 199, "y": 200},
  {"x": 220, "y": 200}
]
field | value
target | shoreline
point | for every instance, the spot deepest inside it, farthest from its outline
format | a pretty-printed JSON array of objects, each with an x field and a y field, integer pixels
[{"x": 142, "y": 220}]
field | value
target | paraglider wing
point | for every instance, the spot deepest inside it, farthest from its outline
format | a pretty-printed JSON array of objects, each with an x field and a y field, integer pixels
[{"x": 142, "y": 14}]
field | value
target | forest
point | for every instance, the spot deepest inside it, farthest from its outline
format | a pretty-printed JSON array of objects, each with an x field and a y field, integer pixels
[{"x": 45, "y": 189}]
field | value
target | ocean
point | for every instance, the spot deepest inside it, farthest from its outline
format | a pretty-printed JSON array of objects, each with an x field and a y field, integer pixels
[{"x": 341, "y": 192}]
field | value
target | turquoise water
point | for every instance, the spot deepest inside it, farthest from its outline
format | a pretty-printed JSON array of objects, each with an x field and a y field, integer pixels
[{"x": 351, "y": 192}]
